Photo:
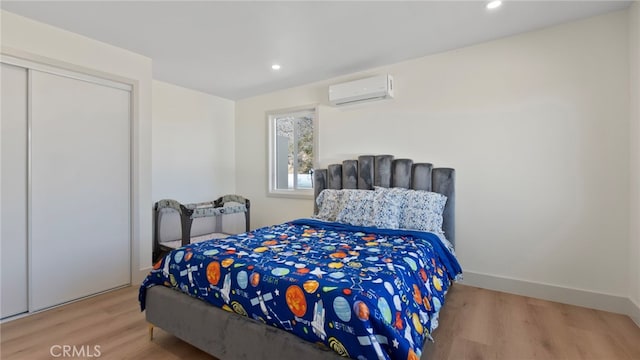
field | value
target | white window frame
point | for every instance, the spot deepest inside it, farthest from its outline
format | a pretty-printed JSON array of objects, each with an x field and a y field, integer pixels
[{"x": 272, "y": 190}]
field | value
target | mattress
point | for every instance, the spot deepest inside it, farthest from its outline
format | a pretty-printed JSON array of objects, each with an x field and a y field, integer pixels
[{"x": 362, "y": 292}]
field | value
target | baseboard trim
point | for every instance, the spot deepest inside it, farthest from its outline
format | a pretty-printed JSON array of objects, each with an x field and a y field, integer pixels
[
  {"x": 585, "y": 298},
  {"x": 634, "y": 312}
]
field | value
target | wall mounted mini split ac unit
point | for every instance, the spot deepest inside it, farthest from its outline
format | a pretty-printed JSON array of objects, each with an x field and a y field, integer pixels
[{"x": 363, "y": 90}]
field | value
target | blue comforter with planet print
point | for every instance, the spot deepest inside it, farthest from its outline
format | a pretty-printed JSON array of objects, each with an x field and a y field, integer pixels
[{"x": 366, "y": 293}]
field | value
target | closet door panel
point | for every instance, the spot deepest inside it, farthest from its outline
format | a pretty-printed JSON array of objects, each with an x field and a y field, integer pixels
[
  {"x": 80, "y": 196},
  {"x": 13, "y": 237}
]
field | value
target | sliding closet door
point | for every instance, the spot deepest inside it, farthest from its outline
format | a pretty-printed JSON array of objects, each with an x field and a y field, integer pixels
[
  {"x": 80, "y": 196},
  {"x": 14, "y": 191}
]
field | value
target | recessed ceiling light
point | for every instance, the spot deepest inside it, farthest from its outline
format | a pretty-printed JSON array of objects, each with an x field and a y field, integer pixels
[
  {"x": 494, "y": 4},
  {"x": 275, "y": 67}
]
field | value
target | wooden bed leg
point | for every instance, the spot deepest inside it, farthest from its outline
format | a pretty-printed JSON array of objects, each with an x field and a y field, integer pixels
[{"x": 150, "y": 332}]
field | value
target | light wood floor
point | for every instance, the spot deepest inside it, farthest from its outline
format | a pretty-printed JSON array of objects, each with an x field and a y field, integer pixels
[{"x": 474, "y": 324}]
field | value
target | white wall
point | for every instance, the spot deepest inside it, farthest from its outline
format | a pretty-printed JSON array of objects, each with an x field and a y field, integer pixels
[
  {"x": 193, "y": 153},
  {"x": 634, "y": 61},
  {"x": 536, "y": 126},
  {"x": 193, "y": 144},
  {"x": 22, "y": 36},
  {"x": 252, "y": 155}
]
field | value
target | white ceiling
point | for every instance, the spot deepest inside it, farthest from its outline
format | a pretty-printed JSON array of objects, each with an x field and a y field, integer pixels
[{"x": 227, "y": 48}]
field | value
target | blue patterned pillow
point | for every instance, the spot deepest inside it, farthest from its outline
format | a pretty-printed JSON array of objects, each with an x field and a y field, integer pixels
[
  {"x": 386, "y": 207},
  {"x": 329, "y": 203},
  {"x": 422, "y": 210},
  {"x": 356, "y": 208},
  {"x": 398, "y": 208}
]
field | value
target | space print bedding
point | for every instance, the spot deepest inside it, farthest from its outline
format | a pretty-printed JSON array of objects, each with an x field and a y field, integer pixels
[{"x": 365, "y": 292}]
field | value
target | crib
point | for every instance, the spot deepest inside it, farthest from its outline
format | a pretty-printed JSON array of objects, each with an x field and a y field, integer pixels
[{"x": 219, "y": 209}]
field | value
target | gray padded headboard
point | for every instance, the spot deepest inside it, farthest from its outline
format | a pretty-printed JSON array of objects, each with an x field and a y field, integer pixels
[{"x": 385, "y": 171}]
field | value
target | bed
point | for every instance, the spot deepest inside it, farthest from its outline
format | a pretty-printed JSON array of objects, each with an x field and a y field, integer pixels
[{"x": 355, "y": 285}]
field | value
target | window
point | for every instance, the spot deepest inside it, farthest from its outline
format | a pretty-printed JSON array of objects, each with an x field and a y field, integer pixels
[{"x": 291, "y": 152}]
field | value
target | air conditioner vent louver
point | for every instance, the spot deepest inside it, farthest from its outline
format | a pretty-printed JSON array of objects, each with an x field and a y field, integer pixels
[{"x": 363, "y": 90}]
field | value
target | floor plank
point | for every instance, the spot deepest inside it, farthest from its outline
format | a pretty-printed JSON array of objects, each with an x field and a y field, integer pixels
[
  {"x": 474, "y": 324},
  {"x": 517, "y": 327}
]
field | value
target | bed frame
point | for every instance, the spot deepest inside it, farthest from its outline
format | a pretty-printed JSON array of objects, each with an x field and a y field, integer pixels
[{"x": 227, "y": 335}]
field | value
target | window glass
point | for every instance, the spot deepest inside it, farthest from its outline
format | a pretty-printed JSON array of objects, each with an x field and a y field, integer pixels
[{"x": 292, "y": 152}]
